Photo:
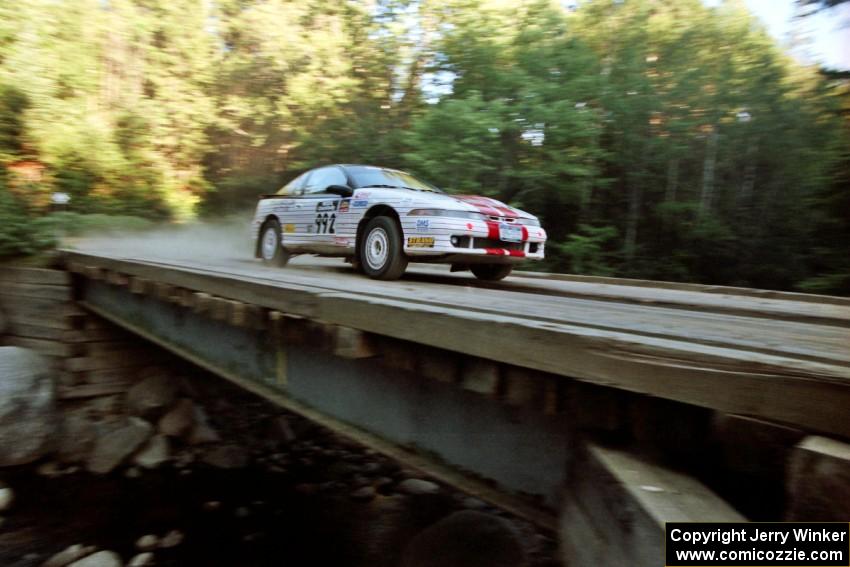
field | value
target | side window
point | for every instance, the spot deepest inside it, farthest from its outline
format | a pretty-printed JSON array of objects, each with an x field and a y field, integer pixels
[
  {"x": 295, "y": 186},
  {"x": 322, "y": 178}
]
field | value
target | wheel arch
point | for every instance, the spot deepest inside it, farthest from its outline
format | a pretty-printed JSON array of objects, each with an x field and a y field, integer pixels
[
  {"x": 376, "y": 211},
  {"x": 260, "y": 233}
]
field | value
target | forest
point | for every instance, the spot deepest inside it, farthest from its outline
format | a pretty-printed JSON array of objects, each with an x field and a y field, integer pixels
[{"x": 655, "y": 139}]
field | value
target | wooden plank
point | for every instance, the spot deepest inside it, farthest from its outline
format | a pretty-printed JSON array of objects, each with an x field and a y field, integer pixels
[
  {"x": 38, "y": 319},
  {"x": 116, "y": 361},
  {"x": 36, "y": 332},
  {"x": 14, "y": 290},
  {"x": 34, "y": 276},
  {"x": 92, "y": 390},
  {"x": 46, "y": 347}
]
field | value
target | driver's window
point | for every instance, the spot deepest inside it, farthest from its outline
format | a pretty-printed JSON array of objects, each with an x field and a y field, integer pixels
[
  {"x": 295, "y": 186},
  {"x": 324, "y": 177}
]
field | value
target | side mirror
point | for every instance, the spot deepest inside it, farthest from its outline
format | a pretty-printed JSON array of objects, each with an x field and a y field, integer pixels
[{"x": 341, "y": 190}]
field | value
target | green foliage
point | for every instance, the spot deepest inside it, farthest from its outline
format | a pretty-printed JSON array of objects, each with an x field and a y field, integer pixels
[
  {"x": 20, "y": 234},
  {"x": 667, "y": 140},
  {"x": 586, "y": 250}
]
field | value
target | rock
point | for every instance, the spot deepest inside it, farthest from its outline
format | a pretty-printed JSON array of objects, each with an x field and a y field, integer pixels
[
  {"x": 50, "y": 469},
  {"x": 364, "y": 493},
  {"x": 417, "y": 486},
  {"x": 171, "y": 539},
  {"x": 212, "y": 506},
  {"x": 153, "y": 453},
  {"x": 280, "y": 430},
  {"x": 179, "y": 420},
  {"x": 117, "y": 444},
  {"x": 203, "y": 432},
  {"x": 7, "y": 496},
  {"x": 27, "y": 406},
  {"x": 69, "y": 555},
  {"x": 471, "y": 503},
  {"x": 99, "y": 559},
  {"x": 141, "y": 560},
  {"x": 147, "y": 542},
  {"x": 226, "y": 457},
  {"x": 77, "y": 436},
  {"x": 466, "y": 539},
  {"x": 150, "y": 397}
]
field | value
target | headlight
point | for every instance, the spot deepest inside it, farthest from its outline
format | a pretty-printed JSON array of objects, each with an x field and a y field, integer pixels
[
  {"x": 528, "y": 222},
  {"x": 445, "y": 213}
]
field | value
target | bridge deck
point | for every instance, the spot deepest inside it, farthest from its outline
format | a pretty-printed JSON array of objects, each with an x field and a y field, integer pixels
[{"x": 784, "y": 358}]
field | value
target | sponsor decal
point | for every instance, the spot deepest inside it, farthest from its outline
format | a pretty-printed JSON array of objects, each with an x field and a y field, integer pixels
[
  {"x": 423, "y": 225},
  {"x": 420, "y": 242},
  {"x": 323, "y": 206},
  {"x": 341, "y": 241},
  {"x": 362, "y": 194},
  {"x": 469, "y": 226},
  {"x": 360, "y": 203},
  {"x": 310, "y": 228},
  {"x": 289, "y": 228},
  {"x": 343, "y": 206}
]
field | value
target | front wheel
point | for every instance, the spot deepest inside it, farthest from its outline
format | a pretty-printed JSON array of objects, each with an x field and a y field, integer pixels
[
  {"x": 491, "y": 272},
  {"x": 381, "y": 251},
  {"x": 271, "y": 247}
]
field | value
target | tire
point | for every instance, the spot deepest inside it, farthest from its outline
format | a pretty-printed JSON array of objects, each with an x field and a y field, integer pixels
[
  {"x": 381, "y": 251},
  {"x": 270, "y": 246},
  {"x": 491, "y": 272}
]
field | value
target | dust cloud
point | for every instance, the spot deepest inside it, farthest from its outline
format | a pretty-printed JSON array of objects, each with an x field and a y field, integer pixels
[{"x": 202, "y": 241}]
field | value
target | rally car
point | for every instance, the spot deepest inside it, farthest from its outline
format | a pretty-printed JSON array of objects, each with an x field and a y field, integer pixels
[{"x": 381, "y": 219}]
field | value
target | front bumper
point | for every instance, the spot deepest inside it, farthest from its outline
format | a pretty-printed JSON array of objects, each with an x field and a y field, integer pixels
[{"x": 473, "y": 241}]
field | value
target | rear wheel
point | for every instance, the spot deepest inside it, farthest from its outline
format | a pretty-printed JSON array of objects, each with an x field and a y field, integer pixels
[
  {"x": 381, "y": 252},
  {"x": 271, "y": 247},
  {"x": 491, "y": 272}
]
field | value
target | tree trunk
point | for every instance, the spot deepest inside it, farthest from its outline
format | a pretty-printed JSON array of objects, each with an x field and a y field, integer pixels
[
  {"x": 708, "y": 173},
  {"x": 672, "y": 180}
]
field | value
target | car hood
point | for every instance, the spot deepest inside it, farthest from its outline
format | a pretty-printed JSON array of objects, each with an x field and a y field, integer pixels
[{"x": 478, "y": 204}]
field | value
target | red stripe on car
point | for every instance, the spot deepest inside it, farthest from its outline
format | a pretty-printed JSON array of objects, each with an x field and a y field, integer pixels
[
  {"x": 492, "y": 230},
  {"x": 517, "y": 253},
  {"x": 495, "y": 251},
  {"x": 524, "y": 233},
  {"x": 487, "y": 206}
]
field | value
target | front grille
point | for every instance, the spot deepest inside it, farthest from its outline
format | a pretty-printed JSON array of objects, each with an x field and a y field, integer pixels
[{"x": 491, "y": 243}]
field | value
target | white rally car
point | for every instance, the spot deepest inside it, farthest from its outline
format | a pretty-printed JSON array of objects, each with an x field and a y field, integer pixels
[{"x": 381, "y": 219}]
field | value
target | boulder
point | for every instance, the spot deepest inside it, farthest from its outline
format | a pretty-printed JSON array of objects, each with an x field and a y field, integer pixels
[
  {"x": 99, "y": 559},
  {"x": 117, "y": 444},
  {"x": 202, "y": 432},
  {"x": 153, "y": 453},
  {"x": 466, "y": 539},
  {"x": 7, "y": 496},
  {"x": 27, "y": 406},
  {"x": 179, "y": 420},
  {"x": 142, "y": 560},
  {"x": 76, "y": 438},
  {"x": 418, "y": 487},
  {"x": 226, "y": 457},
  {"x": 150, "y": 397},
  {"x": 69, "y": 555}
]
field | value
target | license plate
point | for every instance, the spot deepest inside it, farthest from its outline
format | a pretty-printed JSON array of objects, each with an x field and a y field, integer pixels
[{"x": 510, "y": 232}]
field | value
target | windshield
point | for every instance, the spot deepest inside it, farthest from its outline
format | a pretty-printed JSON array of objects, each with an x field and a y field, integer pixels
[{"x": 365, "y": 176}]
